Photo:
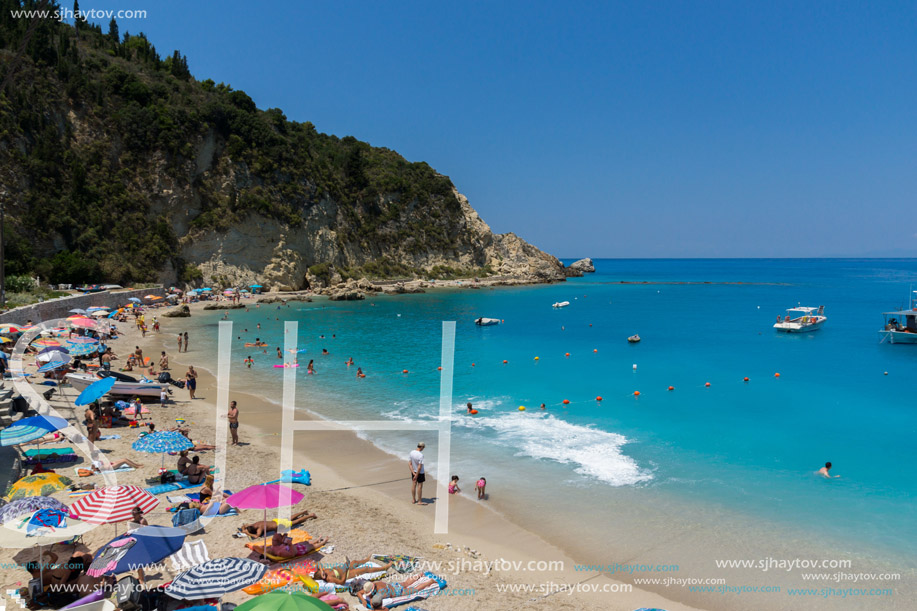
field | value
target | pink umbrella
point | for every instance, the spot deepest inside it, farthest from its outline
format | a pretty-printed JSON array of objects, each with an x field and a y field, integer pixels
[
  {"x": 84, "y": 323},
  {"x": 264, "y": 496},
  {"x": 112, "y": 504}
]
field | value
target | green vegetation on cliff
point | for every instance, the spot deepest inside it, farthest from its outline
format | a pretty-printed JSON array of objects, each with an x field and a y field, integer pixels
[{"x": 97, "y": 130}]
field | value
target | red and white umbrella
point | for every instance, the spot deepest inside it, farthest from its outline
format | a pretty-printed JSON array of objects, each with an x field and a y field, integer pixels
[{"x": 112, "y": 504}]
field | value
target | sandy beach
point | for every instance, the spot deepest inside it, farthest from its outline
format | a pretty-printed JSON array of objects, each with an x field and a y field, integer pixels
[{"x": 360, "y": 494}]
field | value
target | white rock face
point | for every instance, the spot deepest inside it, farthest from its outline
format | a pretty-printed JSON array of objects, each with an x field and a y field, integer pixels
[
  {"x": 264, "y": 251},
  {"x": 583, "y": 265}
]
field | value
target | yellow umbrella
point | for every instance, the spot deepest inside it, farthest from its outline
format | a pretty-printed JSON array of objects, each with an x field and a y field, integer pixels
[
  {"x": 5, "y": 340},
  {"x": 152, "y": 297},
  {"x": 42, "y": 484}
]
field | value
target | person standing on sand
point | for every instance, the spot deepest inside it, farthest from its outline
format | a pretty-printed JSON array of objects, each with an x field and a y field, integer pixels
[
  {"x": 415, "y": 462},
  {"x": 191, "y": 380},
  {"x": 179, "y": 342},
  {"x": 233, "y": 416},
  {"x": 164, "y": 361},
  {"x": 186, "y": 341},
  {"x": 139, "y": 354}
]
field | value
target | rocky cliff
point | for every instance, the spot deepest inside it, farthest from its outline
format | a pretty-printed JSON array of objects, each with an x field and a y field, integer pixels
[{"x": 119, "y": 166}]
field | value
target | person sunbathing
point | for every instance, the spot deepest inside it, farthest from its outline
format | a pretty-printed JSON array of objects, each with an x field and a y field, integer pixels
[
  {"x": 338, "y": 575},
  {"x": 196, "y": 472},
  {"x": 282, "y": 547},
  {"x": 260, "y": 529},
  {"x": 374, "y": 592},
  {"x": 98, "y": 467}
]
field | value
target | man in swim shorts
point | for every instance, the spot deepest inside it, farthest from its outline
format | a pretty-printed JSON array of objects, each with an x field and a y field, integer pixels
[
  {"x": 415, "y": 462},
  {"x": 233, "y": 416},
  {"x": 260, "y": 529}
]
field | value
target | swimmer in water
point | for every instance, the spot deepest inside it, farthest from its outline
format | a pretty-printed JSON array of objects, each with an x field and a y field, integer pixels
[
  {"x": 469, "y": 407},
  {"x": 311, "y": 367},
  {"x": 259, "y": 325},
  {"x": 249, "y": 362},
  {"x": 324, "y": 351},
  {"x": 360, "y": 373},
  {"x": 824, "y": 471},
  {"x": 542, "y": 406},
  {"x": 279, "y": 353},
  {"x": 349, "y": 361}
]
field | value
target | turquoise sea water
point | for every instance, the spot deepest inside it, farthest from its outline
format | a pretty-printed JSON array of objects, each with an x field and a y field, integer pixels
[{"x": 749, "y": 449}]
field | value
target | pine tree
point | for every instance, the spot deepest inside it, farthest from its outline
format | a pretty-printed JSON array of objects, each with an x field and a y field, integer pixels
[
  {"x": 113, "y": 31},
  {"x": 78, "y": 20}
]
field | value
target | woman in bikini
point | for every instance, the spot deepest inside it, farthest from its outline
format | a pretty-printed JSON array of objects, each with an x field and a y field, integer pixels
[
  {"x": 282, "y": 547},
  {"x": 338, "y": 575},
  {"x": 260, "y": 529}
]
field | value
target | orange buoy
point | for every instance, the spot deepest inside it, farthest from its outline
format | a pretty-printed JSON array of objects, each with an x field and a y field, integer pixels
[
  {"x": 404, "y": 371},
  {"x": 671, "y": 388},
  {"x": 473, "y": 412},
  {"x": 505, "y": 361},
  {"x": 472, "y": 364},
  {"x": 598, "y": 398},
  {"x": 707, "y": 384},
  {"x": 566, "y": 354},
  {"x": 776, "y": 375},
  {"x": 745, "y": 379},
  {"x": 566, "y": 401},
  {"x": 596, "y": 350},
  {"x": 636, "y": 393},
  {"x": 439, "y": 368}
]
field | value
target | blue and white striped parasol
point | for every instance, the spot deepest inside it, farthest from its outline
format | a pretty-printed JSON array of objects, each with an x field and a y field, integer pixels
[
  {"x": 30, "y": 429},
  {"x": 215, "y": 578},
  {"x": 81, "y": 349},
  {"x": 28, "y": 505},
  {"x": 52, "y": 365}
]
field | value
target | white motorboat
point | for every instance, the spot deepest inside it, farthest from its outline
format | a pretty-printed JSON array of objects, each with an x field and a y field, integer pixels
[
  {"x": 561, "y": 304},
  {"x": 486, "y": 322},
  {"x": 901, "y": 326},
  {"x": 801, "y": 319},
  {"x": 80, "y": 381}
]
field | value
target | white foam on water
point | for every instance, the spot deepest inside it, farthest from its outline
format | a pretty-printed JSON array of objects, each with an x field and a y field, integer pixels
[{"x": 596, "y": 453}]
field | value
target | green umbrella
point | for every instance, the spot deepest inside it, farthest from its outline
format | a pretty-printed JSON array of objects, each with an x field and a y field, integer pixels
[{"x": 284, "y": 601}]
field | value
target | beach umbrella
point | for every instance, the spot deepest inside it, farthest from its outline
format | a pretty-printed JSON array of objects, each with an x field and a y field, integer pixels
[
  {"x": 99, "y": 314},
  {"x": 83, "y": 323},
  {"x": 82, "y": 339},
  {"x": 21, "y": 507},
  {"x": 215, "y": 578},
  {"x": 264, "y": 497},
  {"x": 46, "y": 342},
  {"x": 42, "y": 484},
  {"x": 47, "y": 518},
  {"x": 53, "y": 348},
  {"x": 53, "y": 353},
  {"x": 284, "y": 601},
  {"x": 77, "y": 311},
  {"x": 95, "y": 391},
  {"x": 161, "y": 442},
  {"x": 133, "y": 299},
  {"x": 30, "y": 429},
  {"x": 5, "y": 340},
  {"x": 82, "y": 349},
  {"x": 9, "y": 328},
  {"x": 255, "y": 286},
  {"x": 112, "y": 504},
  {"x": 145, "y": 546},
  {"x": 52, "y": 365}
]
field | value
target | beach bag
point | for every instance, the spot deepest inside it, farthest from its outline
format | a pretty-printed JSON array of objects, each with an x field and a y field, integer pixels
[
  {"x": 167, "y": 478},
  {"x": 356, "y": 586},
  {"x": 84, "y": 472}
]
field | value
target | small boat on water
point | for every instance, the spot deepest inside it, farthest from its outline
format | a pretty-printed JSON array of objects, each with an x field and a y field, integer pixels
[
  {"x": 561, "y": 304},
  {"x": 80, "y": 381},
  {"x": 634, "y": 339},
  {"x": 901, "y": 326},
  {"x": 801, "y": 319},
  {"x": 486, "y": 322}
]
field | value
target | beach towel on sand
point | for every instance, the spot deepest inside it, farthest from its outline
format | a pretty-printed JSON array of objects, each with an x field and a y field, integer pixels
[
  {"x": 324, "y": 586},
  {"x": 296, "y": 536},
  {"x": 390, "y": 603},
  {"x": 172, "y": 486}
]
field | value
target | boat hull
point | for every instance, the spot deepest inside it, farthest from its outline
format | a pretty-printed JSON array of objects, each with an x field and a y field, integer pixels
[
  {"x": 136, "y": 389},
  {"x": 795, "y": 327},
  {"x": 898, "y": 337}
]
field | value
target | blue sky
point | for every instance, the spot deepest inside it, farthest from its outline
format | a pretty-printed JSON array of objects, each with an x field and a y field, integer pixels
[{"x": 604, "y": 129}]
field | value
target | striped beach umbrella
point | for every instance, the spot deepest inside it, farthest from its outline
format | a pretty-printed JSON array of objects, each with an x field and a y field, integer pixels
[
  {"x": 52, "y": 365},
  {"x": 82, "y": 340},
  {"x": 112, "y": 504},
  {"x": 22, "y": 507},
  {"x": 42, "y": 484},
  {"x": 82, "y": 349},
  {"x": 8, "y": 328},
  {"x": 46, "y": 342},
  {"x": 83, "y": 323},
  {"x": 215, "y": 578},
  {"x": 30, "y": 429}
]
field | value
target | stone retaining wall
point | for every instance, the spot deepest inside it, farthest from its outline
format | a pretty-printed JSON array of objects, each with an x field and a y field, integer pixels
[{"x": 60, "y": 308}]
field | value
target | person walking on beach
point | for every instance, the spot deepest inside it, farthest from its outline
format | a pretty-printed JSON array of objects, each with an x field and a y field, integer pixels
[
  {"x": 233, "y": 416},
  {"x": 186, "y": 341},
  {"x": 415, "y": 462},
  {"x": 179, "y": 342},
  {"x": 191, "y": 380},
  {"x": 139, "y": 354}
]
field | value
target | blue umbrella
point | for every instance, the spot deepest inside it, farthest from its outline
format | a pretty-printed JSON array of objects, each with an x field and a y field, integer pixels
[
  {"x": 82, "y": 349},
  {"x": 31, "y": 504},
  {"x": 146, "y": 545},
  {"x": 51, "y": 366},
  {"x": 255, "y": 286},
  {"x": 30, "y": 429},
  {"x": 95, "y": 391},
  {"x": 162, "y": 442}
]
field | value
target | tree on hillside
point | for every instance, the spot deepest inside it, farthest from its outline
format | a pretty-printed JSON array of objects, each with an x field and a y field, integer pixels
[
  {"x": 113, "y": 31},
  {"x": 78, "y": 20}
]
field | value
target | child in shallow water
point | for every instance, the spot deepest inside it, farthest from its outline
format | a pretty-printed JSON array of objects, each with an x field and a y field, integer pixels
[
  {"x": 453, "y": 485},
  {"x": 480, "y": 485}
]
